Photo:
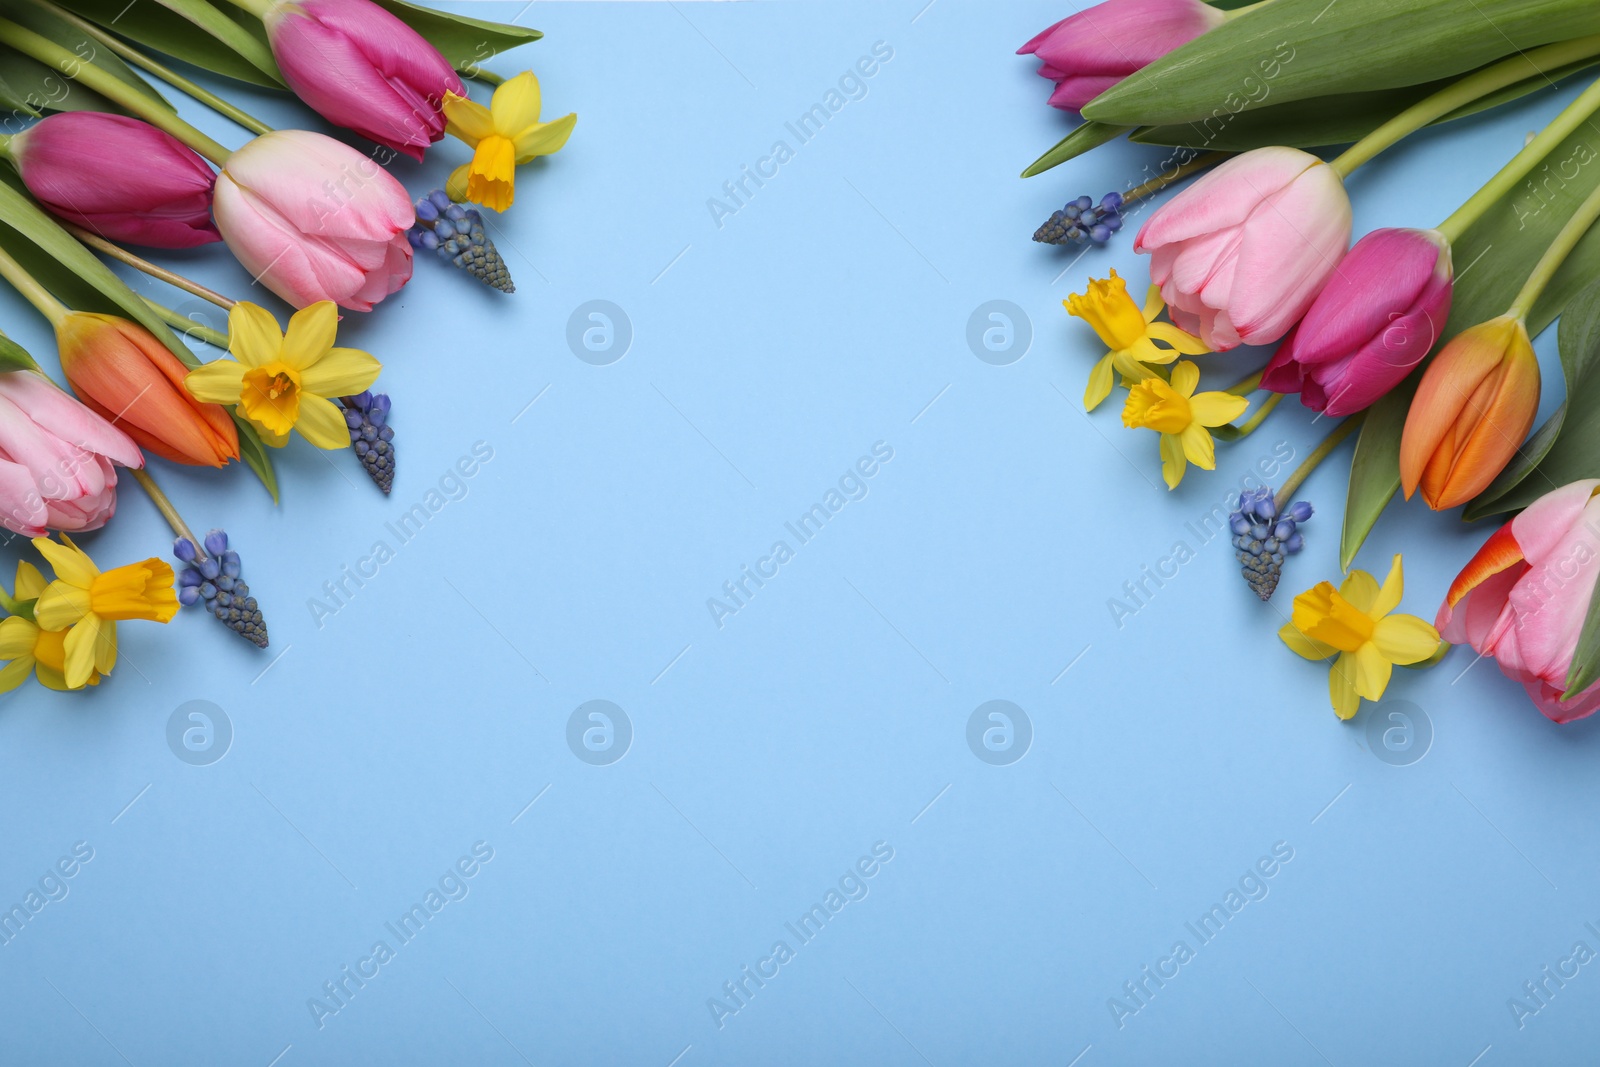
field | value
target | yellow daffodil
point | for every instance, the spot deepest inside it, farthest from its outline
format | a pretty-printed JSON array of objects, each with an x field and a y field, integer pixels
[
  {"x": 1130, "y": 333},
  {"x": 503, "y": 136},
  {"x": 1354, "y": 623},
  {"x": 30, "y": 649},
  {"x": 88, "y": 603},
  {"x": 1182, "y": 417},
  {"x": 287, "y": 381}
]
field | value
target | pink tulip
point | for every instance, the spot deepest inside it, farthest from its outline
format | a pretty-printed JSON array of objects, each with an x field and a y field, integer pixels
[
  {"x": 1376, "y": 318},
  {"x": 313, "y": 219},
  {"x": 1087, "y": 53},
  {"x": 360, "y": 67},
  {"x": 56, "y": 459},
  {"x": 1241, "y": 254},
  {"x": 1523, "y": 598},
  {"x": 122, "y": 178}
]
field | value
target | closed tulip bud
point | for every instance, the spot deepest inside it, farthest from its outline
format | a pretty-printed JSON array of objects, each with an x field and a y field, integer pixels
[
  {"x": 313, "y": 219},
  {"x": 1524, "y": 597},
  {"x": 1240, "y": 254},
  {"x": 56, "y": 459},
  {"x": 1087, "y": 53},
  {"x": 362, "y": 68},
  {"x": 1376, "y": 318},
  {"x": 124, "y": 374},
  {"x": 1474, "y": 406},
  {"x": 120, "y": 177}
]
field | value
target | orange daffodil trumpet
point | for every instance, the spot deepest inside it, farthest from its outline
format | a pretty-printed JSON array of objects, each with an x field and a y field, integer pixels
[
  {"x": 287, "y": 381},
  {"x": 1182, "y": 417},
  {"x": 1129, "y": 332},
  {"x": 1356, "y": 623},
  {"x": 503, "y": 136}
]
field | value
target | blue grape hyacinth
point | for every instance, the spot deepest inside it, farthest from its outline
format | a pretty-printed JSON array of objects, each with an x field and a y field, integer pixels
[
  {"x": 367, "y": 415},
  {"x": 212, "y": 578},
  {"x": 455, "y": 232},
  {"x": 1263, "y": 538},
  {"x": 1083, "y": 219}
]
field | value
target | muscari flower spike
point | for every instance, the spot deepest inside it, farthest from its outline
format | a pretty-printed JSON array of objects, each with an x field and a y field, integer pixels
[
  {"x": 215, "y": 581},
  {"x": 1263, "y": 538},
  {"x": 1083, "y": 218},
  {"x": 367, "y": 415},
  {"x": 456, "y": 233}
]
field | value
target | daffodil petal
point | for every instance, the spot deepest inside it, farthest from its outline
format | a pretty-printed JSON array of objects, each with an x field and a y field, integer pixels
[
  {"x": 1153, "y": 304},
  {"x": 1342, "y": 686},
  {"x": 105, "y": 644},
  {"x": 15, "y": 673},
  {"x": 1405, "y": 639},
  {"x": 30, "y": 583},
  {"x": 1394, "y": 587},
  {"x": 340, "y": 372},
  {"x": 51, "y": 678},
  {"x": 219, "y": 382},
  {"x": 545, "y": 138},
  {"x": 17, "y": 637},
  {"x": 515, "y": 104},
  {"x": 253, "y": 336},
  {"x": 1216, "y": 409},
  {"x": 1172, "y": 461},
  {"x": 1099, "y": 386},
  {"x": 61, "y": 605},
  {"x": 71, "y": 564},
  {"x": 1198, "y": 447},
  {"x": 310, "y": 335},
  {"x": 456, "y": 185},
  {"x": 80, "y": 649},
  {"x": 466, "y": 119},
  {"x": 1185, "y": 376},
  {"x": 1301, "y": 645},
  {"x": 1372, "y": 671},
  {"x": 1145, "y": 351},
  {"x": 1180, "y": 340},
  {"x": 322, "y": 423},
  {"x": 1361, "y": 590}
]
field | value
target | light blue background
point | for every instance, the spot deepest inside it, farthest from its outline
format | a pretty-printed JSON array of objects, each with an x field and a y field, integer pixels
[{"x": 830, "y": 713}]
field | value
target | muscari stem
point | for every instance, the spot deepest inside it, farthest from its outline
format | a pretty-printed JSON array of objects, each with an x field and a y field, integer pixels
[
  {"x": 31, "y": 288},
  {"x": 109, "y": 86},
  {"x": 168, "y": 511},
  {"x": 1462, "y": 92},
  {"x": 165, "y": 73},
  {"x": 187, "y": 327},
  {"x": 1318, "y": 454},
  {"x": 1556, "y": 254},
  {"x": 173, "y": 278},
  {"x": 1161, "y": 181},
  {"x": 1560, "y": 128}
]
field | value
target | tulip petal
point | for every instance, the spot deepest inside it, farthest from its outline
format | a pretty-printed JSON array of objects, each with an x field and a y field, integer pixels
[
  {"x": 1223, "y": 197},
  {"x": 22, "y": 509},
  {"x": 1292, "y": 246},
  {"x": 1545, "y": 524}
]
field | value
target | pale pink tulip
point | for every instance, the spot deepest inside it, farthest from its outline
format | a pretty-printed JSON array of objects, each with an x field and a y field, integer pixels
[
  {"x": 1087, "y": 53},
  {"x": 1376, "y": 318},
  {"x": 1523, "y": 598},
  {"x": 1241, "y": 254},
  {"x": 313, "y": 219},
  {"x": 56, "y": 459}
]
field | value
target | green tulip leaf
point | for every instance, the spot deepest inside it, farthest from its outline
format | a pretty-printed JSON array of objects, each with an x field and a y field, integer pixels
[
  {"x": 1086, "y": 136},
  {"x": 464, "y": 42},
  {"x": 194, "y": 31},
  {"x": 47, "y": 88},
  {"x": 14, "y": 357}
]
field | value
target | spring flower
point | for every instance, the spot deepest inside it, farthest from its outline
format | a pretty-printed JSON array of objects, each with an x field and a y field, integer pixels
[
  {"x": 362, "y": 68},
  {"x": 1263, "y": 537},
  {"x": 1354, "y": 623},
  {"x": 56, "y": 458},
  {"x": 1524, "y": 596},
  {"x": 1182, "y": 418},
  {"x": 120, "y": 177},
  {"x": 1129, "y": 332},
  {"x": 503, "y": 136},
  {"x": 1082, "y": 219},
  {"x": 30, "y": 650},
  {"x": 287, "y": 381},
  {"x": 88, "y": 603},
  {"x": 313, "y": 219},
  {"x": 1474, "y": 406},
  {"x": 1376, "y": 318},
  {"x": 122, "y": 373},
  {"x": 1087, "y": 53},
  {"x": 215, "y": 578},
  {"x": 1240, "y": 254}
]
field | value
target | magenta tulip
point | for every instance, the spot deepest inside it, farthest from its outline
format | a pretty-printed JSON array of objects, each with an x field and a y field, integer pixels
[
  {"x": 1376, "y": 318},
  {"x": 56, "y": 459},
  {"x": 1523, "y": 598},
  {"x": 313, "y": 219},
  {"x": 122, "y": 178},
  {"x": 1087, "y": 53},
  {"x": 362, "y": 68},
  {"x": 1241, "y": 254}
]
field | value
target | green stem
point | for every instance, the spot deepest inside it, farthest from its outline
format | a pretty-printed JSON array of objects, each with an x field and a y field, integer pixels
[
  {"x": 1432, "y": 661},
  {"x": 1265, "y": 409},
  {"x": 109, "y": 86},
  {"x": 188, "y": 327},
  {"x": 168, "y": 511},
  {"x": 1556, "y": 254},
  {"x": 165, "y": 73},
  {"x": 1236, "y": 12},
  {"x": 1462, "y": 92},
  {"x": 1248, "y": 384},
  {"x": 488, "y": 77},
  {"x": 32, "y": 289},
  {"x": 1161, "y": 181},
  {"x": 173, "y": 278},
  {"x": 1329, "y": 443},
  {"x": 258, "y": 8},
  {"x": 1575, "y": 114}
]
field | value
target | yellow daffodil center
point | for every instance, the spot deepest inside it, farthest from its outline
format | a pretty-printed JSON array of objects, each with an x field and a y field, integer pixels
[
  {"x": 1323, "y": 615},
  {"x": 1155, "y": 405},
  {"x": 137, "y": 591},
  {"x": 1111, "y": 312},
  {"x": 491, "y": 179},
  {"x": 271, "y": 396}
]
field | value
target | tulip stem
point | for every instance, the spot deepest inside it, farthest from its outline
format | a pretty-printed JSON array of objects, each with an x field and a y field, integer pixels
[
  {"x": 1247, "y": 384},
  {"x": 1318, "y": 454},
  {"x": 258, "y": 8},
  {"x": 1265, "y": 409},
  {"x": 1161, "y": 181},
  {"x": 1236, "y": 12},
  {"x": 187, "y": 326},
  {"x": 117, "y": 252},
  {"x": 119, "y": 92},
  {"x": 488, "y": 77},
  {"x": 168, "y": 511},
  {"x": 165, "y": 73},
  {"x": 1462, "y": 92},
  {"x": 1556, "y": 254},
  {"x": 31, "y": 288}
]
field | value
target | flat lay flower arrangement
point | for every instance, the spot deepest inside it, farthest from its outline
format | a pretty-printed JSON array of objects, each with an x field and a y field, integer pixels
[
  {"x": 1427, "y": 365},
  {"x": 97, "y": 159}
]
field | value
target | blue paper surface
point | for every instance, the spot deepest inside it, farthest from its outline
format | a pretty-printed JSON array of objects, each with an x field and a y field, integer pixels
[{"x": 623, "y": 797}]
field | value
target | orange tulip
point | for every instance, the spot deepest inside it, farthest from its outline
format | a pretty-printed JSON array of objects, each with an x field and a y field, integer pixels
[
  {"x": 124, "y": 374},
  {"x": 1475, "y": 405}
]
